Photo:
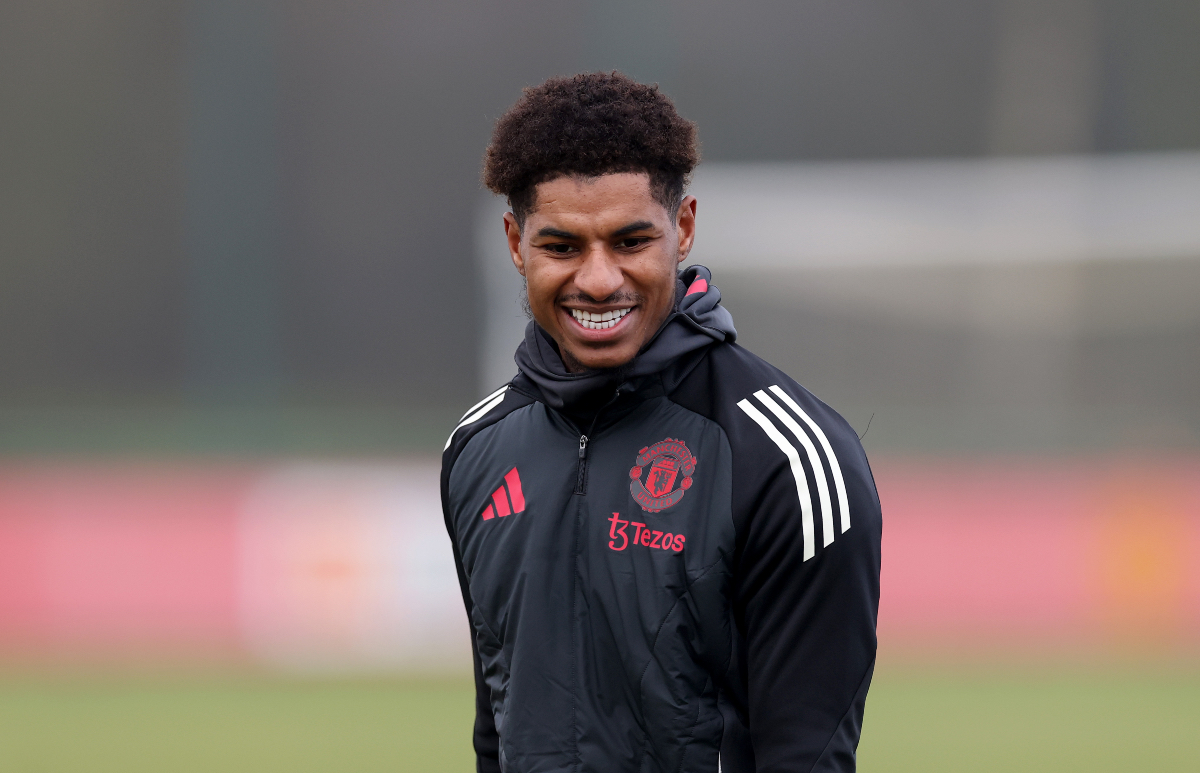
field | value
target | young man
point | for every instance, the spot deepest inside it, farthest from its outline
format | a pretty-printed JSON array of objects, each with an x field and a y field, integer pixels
[{"x": 668, "y": 549}]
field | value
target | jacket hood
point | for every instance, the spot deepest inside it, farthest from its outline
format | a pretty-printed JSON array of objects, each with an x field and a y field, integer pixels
[{"x": 697, "y": 322}]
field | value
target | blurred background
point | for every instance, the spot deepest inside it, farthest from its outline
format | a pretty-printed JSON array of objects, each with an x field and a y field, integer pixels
[{"x": 249, "y": 280}]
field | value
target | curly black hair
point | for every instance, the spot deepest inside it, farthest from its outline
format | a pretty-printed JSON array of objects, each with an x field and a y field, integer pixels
[{"x": 590, "y": 124}]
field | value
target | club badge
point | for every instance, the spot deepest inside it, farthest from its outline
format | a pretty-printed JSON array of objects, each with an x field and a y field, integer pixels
[{"x": 667, "y": 460}]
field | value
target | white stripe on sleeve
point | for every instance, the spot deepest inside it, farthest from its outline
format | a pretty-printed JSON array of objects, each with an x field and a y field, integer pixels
[
  {"x": 797, "y": 472},
  {"x": 838, "y": 482},
  {"x": 814, "y": 461},
  {"x": 480, "y": 403},
  {"x": 471, "y": 418}
]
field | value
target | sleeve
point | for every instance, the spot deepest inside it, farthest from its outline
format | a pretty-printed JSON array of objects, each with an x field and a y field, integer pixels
[
  {"x": 485, "y": 738},
  {"x": 806, "y": 598},
  {"x": 482, "y": 415}
]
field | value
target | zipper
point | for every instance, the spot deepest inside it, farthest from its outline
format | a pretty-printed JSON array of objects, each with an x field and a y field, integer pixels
[{"x": 581, "y": 479}]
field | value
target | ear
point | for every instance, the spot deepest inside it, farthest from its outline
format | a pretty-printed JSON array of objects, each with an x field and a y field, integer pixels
[
  {"x": 685, "y": 226},
  {"x": 513, "y": 233}
]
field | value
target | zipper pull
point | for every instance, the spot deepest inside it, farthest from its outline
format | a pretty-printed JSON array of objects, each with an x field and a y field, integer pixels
[{"x": 581, "y": 479}]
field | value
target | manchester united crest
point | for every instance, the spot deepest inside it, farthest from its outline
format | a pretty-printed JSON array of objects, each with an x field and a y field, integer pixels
[{"x": 669, "y": 461}]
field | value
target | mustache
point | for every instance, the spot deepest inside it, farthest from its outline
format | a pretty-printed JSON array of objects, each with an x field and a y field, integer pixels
[{"x": 621, "y": 296}]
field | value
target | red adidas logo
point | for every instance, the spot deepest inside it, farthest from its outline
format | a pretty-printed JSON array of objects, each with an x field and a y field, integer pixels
[{"x": 501, "y": 498}]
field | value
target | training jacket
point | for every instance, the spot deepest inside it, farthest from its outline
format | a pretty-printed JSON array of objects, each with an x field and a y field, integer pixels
[{"x": 668, "y": 567}]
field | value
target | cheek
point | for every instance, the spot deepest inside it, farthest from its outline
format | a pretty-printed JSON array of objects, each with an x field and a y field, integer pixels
[
  {"x": 657, "y": 279},
  {"x": 542, "y": 286}
]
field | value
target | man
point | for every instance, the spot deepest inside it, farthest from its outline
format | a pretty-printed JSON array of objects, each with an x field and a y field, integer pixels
[{"x": 668, "y": 549}]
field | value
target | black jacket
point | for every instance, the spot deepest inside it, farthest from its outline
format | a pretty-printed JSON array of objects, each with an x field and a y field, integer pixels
[{"x": 666, "y": 562}]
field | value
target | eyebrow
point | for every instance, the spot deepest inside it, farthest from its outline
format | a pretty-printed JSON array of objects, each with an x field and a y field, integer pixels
[
  {"x": 556, "y": 233},
  {"x": 641, "y": 225}
]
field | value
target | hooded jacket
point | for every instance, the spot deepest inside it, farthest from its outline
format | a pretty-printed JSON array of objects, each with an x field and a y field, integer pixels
[{"x": 669, "y": 567}]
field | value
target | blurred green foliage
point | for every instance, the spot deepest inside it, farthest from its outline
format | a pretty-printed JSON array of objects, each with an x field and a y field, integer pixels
[{"x": 155, "y": 431}]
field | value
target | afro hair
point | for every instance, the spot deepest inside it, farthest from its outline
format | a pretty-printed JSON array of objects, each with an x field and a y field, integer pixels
[{"x": 588, "y": 125}]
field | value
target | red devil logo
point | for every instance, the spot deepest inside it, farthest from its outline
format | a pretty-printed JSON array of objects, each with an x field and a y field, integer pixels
[{"x": 667, "y": 459}]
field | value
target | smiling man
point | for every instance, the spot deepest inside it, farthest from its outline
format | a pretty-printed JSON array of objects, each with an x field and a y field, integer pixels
[
  {"x": 600, "y": 263},
  {"x": 668, "y": 549}
]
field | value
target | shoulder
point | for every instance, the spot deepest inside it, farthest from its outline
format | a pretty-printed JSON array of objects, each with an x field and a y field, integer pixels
[
  {"x": 478, "y": 417},
  {"x": 735, "y": 387},
  {"x": 788, "y": 446}
]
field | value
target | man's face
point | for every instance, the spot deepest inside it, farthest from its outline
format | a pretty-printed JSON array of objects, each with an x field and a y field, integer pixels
[{"x": 599, "y": 256}]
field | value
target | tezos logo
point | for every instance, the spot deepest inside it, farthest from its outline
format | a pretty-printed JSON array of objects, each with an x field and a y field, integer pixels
[
  {"x": 666, "y": 458},
  {"x": 651, "y": 538}
]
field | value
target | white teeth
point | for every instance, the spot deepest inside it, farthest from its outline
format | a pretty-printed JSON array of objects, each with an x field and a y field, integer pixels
[{"x": 597, "y": 321}]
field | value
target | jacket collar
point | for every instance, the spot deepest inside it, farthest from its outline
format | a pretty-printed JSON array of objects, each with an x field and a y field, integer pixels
[{"x": 697, "y": 322}]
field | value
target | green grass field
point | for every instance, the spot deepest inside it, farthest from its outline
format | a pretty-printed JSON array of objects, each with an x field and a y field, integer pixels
[{"x": 918, "y": 719}]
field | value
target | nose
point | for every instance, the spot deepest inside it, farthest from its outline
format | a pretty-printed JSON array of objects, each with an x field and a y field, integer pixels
[{"x": 599, "y": 276}]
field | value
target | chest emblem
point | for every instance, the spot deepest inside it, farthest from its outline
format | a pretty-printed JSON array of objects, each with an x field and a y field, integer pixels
[{"x": 667, "y": 460}]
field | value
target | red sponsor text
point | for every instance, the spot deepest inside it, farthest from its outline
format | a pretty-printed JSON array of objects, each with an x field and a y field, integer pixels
[{"x": 619, "y": 539}]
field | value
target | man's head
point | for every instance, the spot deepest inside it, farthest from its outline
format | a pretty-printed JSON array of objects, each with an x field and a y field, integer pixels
[{"x": 594, "y": 168}]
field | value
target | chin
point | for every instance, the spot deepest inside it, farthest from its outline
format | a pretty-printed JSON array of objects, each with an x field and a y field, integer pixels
[{"x": 597, "y": 361}]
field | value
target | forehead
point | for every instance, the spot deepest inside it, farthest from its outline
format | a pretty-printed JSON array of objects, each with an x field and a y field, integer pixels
[{"x": 585, "y": 203}]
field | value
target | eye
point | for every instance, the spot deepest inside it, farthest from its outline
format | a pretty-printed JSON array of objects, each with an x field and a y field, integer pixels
[
  {"x": 633, "y": 242},
  {"x": 559, "y": 249}
]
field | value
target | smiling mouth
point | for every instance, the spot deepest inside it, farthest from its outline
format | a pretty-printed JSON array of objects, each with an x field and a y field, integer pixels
[{"x": 592, "y": 320}]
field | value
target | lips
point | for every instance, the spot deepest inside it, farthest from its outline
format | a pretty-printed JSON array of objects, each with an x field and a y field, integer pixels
[{"x": 592, "y": 320}]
